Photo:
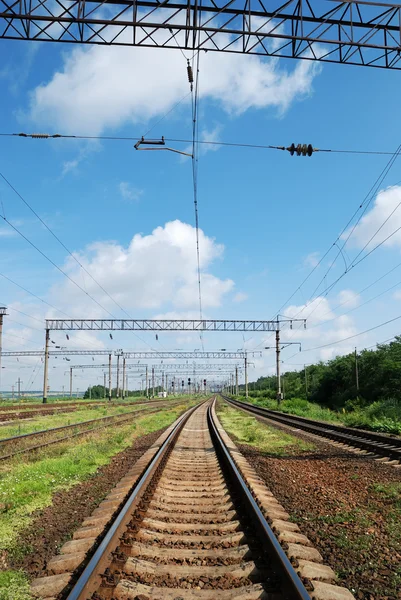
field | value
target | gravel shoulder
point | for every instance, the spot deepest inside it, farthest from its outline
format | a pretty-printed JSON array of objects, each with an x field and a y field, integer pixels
[{"x": 347, "y": 504}]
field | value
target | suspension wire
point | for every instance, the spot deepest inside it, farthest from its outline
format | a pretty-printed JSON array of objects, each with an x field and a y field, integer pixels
[
  {"x": 364, "y": 205},
  {"x": 195, "y": 165},
  {"x": 188, "y": 141},
  {"x": 69, "y": 252}
]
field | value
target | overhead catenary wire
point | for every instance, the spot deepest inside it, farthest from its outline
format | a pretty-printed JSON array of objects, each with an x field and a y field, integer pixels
[{"x": 250, "y": 145}]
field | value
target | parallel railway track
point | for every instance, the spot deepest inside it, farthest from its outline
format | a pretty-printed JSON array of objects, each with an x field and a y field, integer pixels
[
  {"x": 376, "y": 444},
  {"x": 189, "y": 529},
  {"x": 20, "y": 444}
]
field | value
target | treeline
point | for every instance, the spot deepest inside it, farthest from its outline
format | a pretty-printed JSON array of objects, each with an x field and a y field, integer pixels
[
  {"x": 334, "y": 383},
  {"x": 98, "y": 391}
]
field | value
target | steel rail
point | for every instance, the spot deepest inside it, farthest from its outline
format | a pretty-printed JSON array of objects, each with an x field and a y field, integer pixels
[
  {"x": 15, "y": 438},
  {"x": 375, "y": 443},
  {"x": 295, "y": 588},
  {"x": 109, "y": 542},
  {"x": 126, "y": 417}
]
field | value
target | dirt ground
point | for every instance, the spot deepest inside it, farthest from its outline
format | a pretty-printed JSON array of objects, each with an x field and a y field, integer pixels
[
  {"x": 55, "y": 524},
  {"x": 350, "y": 508}
]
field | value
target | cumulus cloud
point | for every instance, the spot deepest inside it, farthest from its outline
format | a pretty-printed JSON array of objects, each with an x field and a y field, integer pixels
[
  {"x": 104, "y": 87},
  {"x": 155, "y": 271},
  {"x": 349, "y": 298},
  {"x": 384, "y": 218}
]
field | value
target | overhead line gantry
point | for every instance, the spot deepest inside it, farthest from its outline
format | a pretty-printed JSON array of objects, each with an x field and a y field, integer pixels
[{"x": 353, "y": 32}]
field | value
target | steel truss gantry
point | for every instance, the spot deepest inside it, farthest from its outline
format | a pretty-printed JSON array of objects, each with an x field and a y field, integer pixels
[
  {"x": 353, "y": 32},
  {"x": 164, "y": 324},
  {"x": 140, "y": 355},
  {"x": 168, "y": 367}
]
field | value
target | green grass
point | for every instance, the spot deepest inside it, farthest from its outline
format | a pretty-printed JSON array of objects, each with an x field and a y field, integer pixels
[
  {"x": 29, "y": 485},
  {"x": 40, "y": 423},
  {"x": 247, "y": 430},
  {"x": 380, "y": 416},
  {"x": 14, "y": 585}
]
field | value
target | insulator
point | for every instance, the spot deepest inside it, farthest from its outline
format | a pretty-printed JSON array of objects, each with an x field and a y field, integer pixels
[
  {"x": 190, "y": 73},
  {"x": 301, "y": 149},
  {"x": 40, "y": 135}
]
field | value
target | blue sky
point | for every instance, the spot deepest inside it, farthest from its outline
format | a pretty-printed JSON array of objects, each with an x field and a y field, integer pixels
[{"x": 266, "y": 217}]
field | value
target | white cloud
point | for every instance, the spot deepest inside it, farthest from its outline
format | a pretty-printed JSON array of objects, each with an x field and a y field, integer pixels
[
  {"x": 349, "y": 298},
  {"x": 386, "y": 215},
  {"x": 69, "y": 165},
  {"x": 240, "y": 297},
  {"x": 397, "y": 295},
  {"x": 103, "y": 87},
  {"x": 129, "y": 192},
  {"x": 311, "y": 260},
  {"x": 155, "y": 271}
]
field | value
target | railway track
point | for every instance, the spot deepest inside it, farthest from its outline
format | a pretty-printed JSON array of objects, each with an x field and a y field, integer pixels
[
  {"x": 18, "y": 443},
  {"x": 375, "y": 444},
  {"x": 195, "y": 526}
]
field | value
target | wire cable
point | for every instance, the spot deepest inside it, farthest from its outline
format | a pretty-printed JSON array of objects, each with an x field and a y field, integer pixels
[{"x": 189, "y": 141}]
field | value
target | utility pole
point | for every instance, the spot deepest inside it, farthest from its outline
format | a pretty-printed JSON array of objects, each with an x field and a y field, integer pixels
[
  {"x": 118, "y": 377},
  {"x": 279, "y": 395},
  {"x": 306, "y": 382},
  {"x": 19, "y": 388},
  {"x": 12, "y": 392},
  {"x": 246, "y": 375},
  {"x": 356, "y": 373},
  {"x": 90, "y": 392},
  {"x": 147, "y": 382},
  {"x": 70, "y": 382},
  {"x": 162, "y": 381},
  {"x": 2, "y": 313},
  {"x": 109, "y": 377},
  {"x": 167, "y": 384},
  {"x": 236, "y": 381},
  {"x": 153, "y": 382},
  {"x": 104, "y": 385},
  {"x": 46, "y": 366},
  {"x": 124, "y": 382}
]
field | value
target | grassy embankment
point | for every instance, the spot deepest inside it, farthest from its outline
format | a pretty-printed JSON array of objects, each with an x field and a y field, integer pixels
[
  {"x": 39, "y": 423},
  {"x": 248, "y": 430},
  {"x": 28, "y": 485},
  {"x": 380, "y": 416}
]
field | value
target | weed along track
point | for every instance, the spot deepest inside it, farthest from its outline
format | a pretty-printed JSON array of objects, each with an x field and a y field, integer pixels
[
  {"x": 20, "y": 444},
  {"x": 386, "y": 448},
  {"x": 191, "y": 520}
]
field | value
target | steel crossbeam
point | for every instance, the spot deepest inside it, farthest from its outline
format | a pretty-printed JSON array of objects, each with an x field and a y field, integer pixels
[{"x": 353, "y": 32}]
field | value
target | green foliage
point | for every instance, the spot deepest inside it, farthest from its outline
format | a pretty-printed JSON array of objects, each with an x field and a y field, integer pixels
[
  {"x": 14, "y": 585},
  {"x": 331, "y": 386}
]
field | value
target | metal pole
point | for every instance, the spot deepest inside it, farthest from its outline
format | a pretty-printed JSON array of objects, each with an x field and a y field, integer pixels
[
  {"x": 104, "y": 385},
  {"x": 109, "y": 377},
  {"x": 19, "y": 388},
  {"x": 306, "y": 382},
  {"x": 118, "y": 376},
  {"x": 153, "y": 382},
  {"x": 46, "y": 367},
  {"x": 167, "y": 384},
  {"x": 126, "y": 384},
  {"x": 123, "y": 394},
  {"x": 90, "y": 392},
  {"x": 12, "y": 392},
  {"x": 2, "y": 313},
  {"x": 278, "y": 363},
  {"x": 356, "y": 372},
  {"x": 70, "y": 382},
  {"x": 246, "y": 375},
  {"x": 163, "y": 381},
  {"x": 147, "y": 382},
  {"x": 236, "y": 381}
]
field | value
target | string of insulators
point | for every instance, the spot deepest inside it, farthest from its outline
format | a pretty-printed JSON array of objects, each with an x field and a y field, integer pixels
[
  {"x": 39, "y": 136},
  {"x": 190, "y": 75},
  {"x": 301, "y": 149}
]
